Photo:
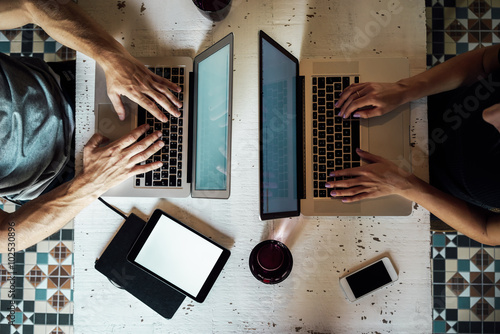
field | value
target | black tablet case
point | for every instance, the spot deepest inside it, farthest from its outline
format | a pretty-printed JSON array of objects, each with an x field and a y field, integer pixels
[{"x": 114, "y": 265}]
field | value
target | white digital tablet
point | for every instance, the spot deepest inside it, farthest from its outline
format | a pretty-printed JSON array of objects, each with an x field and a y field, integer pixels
[{"x": 178, "y": 255}]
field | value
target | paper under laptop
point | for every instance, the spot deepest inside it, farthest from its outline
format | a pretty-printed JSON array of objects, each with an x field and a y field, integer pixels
[
  {"x": 286, "y": 130},
  {"x": 197, "y": 152}
]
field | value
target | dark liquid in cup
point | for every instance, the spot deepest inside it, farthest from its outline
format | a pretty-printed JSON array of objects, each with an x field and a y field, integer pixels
[
  {"x": 270, "y": 257},
  {"x": 271, "y": 261},
  {"x": 215, "y": 10}
]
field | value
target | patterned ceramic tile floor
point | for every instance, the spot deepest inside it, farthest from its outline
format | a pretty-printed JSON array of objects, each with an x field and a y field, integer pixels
[
  {"x": 32, "y": 41},
  {"x": 457, "y": 26},
  {"x": 466, "y": 274},
  {"x": 36, "y": 287}
]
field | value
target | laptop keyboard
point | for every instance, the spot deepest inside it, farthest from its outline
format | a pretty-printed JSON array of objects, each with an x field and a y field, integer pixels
[
  {"x": 170, "y": 174},
  {"x": 335, "y": 139}
]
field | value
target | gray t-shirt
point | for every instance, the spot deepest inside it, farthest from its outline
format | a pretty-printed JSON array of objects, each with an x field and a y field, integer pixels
[{"x": 36, "y": 127}]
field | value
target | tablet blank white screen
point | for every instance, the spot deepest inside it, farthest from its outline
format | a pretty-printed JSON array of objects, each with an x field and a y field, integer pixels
[{"x": 178, "y": 255}]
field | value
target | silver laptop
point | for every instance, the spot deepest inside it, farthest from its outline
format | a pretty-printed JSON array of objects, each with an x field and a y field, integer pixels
[
  {"x": 197, "y": 153},
  {"x": 302, "y": 140}
]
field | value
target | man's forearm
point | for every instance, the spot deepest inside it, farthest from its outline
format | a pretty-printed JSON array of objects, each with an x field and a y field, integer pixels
[
  {"x": 125, "y": 76},
  {"x": 13, "y": 14},
  {"x": 70, "y": 25},
  {"x": 65, "y": 22},
  {"x": 47, "y": 214}
]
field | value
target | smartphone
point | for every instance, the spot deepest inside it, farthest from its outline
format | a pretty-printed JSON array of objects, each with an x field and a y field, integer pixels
[{"x": 368, "y": 279}]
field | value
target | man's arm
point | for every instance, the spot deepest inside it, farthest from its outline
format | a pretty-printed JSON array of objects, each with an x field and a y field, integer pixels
[
  {"x": 13, "y": 14},
  {"x": 71, "y": 26},
  {"x": 103, "y": 168},
  {"x": 461, "y": 70}
]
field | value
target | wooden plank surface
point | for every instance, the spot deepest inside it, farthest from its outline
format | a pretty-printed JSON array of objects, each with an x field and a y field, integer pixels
[{"x": 323, "y": 248}]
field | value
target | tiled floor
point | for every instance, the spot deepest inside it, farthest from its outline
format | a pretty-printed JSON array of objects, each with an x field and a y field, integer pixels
[
  {"x": 43, "y": 274},
  {"x": 466, "y": 274},
  {"x": 457, "y": 26},
  {"x": 32, "y": 41}
]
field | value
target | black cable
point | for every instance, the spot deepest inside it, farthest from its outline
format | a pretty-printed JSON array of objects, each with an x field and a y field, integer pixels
[{"x": 113, "y": 208}]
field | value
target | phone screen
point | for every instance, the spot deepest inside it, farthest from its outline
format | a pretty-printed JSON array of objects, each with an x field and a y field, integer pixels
[{"x": 368, "y": 279}]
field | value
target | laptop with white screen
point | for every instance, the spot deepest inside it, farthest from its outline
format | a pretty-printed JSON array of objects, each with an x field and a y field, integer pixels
[
  {"x": 302, "y": 140},
  {"x": 197, "y": 153}
]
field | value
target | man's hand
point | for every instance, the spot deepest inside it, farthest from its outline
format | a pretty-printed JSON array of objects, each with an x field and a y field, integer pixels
[
  {"x": 370, "y": 99},
  {"x": 127, "y": 76},
  {"x": 72, "y": 27},
  {"x": 107, "y": 166},
  {"x": 380, "y": 178},
  {"x": 103, "y": 168}
]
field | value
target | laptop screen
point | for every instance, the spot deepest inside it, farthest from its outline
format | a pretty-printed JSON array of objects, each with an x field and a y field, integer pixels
[
  {"x": 211, "y": 125},
  {"x": 278, "y": 131},
  {"x": 212, "y": 106}
]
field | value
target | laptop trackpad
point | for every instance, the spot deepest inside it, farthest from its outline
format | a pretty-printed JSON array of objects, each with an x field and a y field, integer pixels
[
  {"x": 386, "y": 135},
  {"x": 336, "y": 207},
  {"x": 109, "y": 125}
]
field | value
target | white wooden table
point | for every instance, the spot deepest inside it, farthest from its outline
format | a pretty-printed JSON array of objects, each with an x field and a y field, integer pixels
[{"x": 323, "y": 248}]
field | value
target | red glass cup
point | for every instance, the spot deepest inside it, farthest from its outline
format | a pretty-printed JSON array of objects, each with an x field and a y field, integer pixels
[
  {"x": 271, "y": 261},
  {"x": 215, "y": 10}
]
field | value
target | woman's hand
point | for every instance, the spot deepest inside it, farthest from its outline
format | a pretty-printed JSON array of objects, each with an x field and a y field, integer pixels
[
  {"x": 370, "y": 99},
  {"x": 492, "y": 116},
  {"x": 379, "y": 178},
  {"x": 127, "y": 76},
  {"x": 109, "y": 165}
]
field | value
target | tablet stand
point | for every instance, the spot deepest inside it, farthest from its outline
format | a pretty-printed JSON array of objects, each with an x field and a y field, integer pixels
[{"x": 114, "y": 265}]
